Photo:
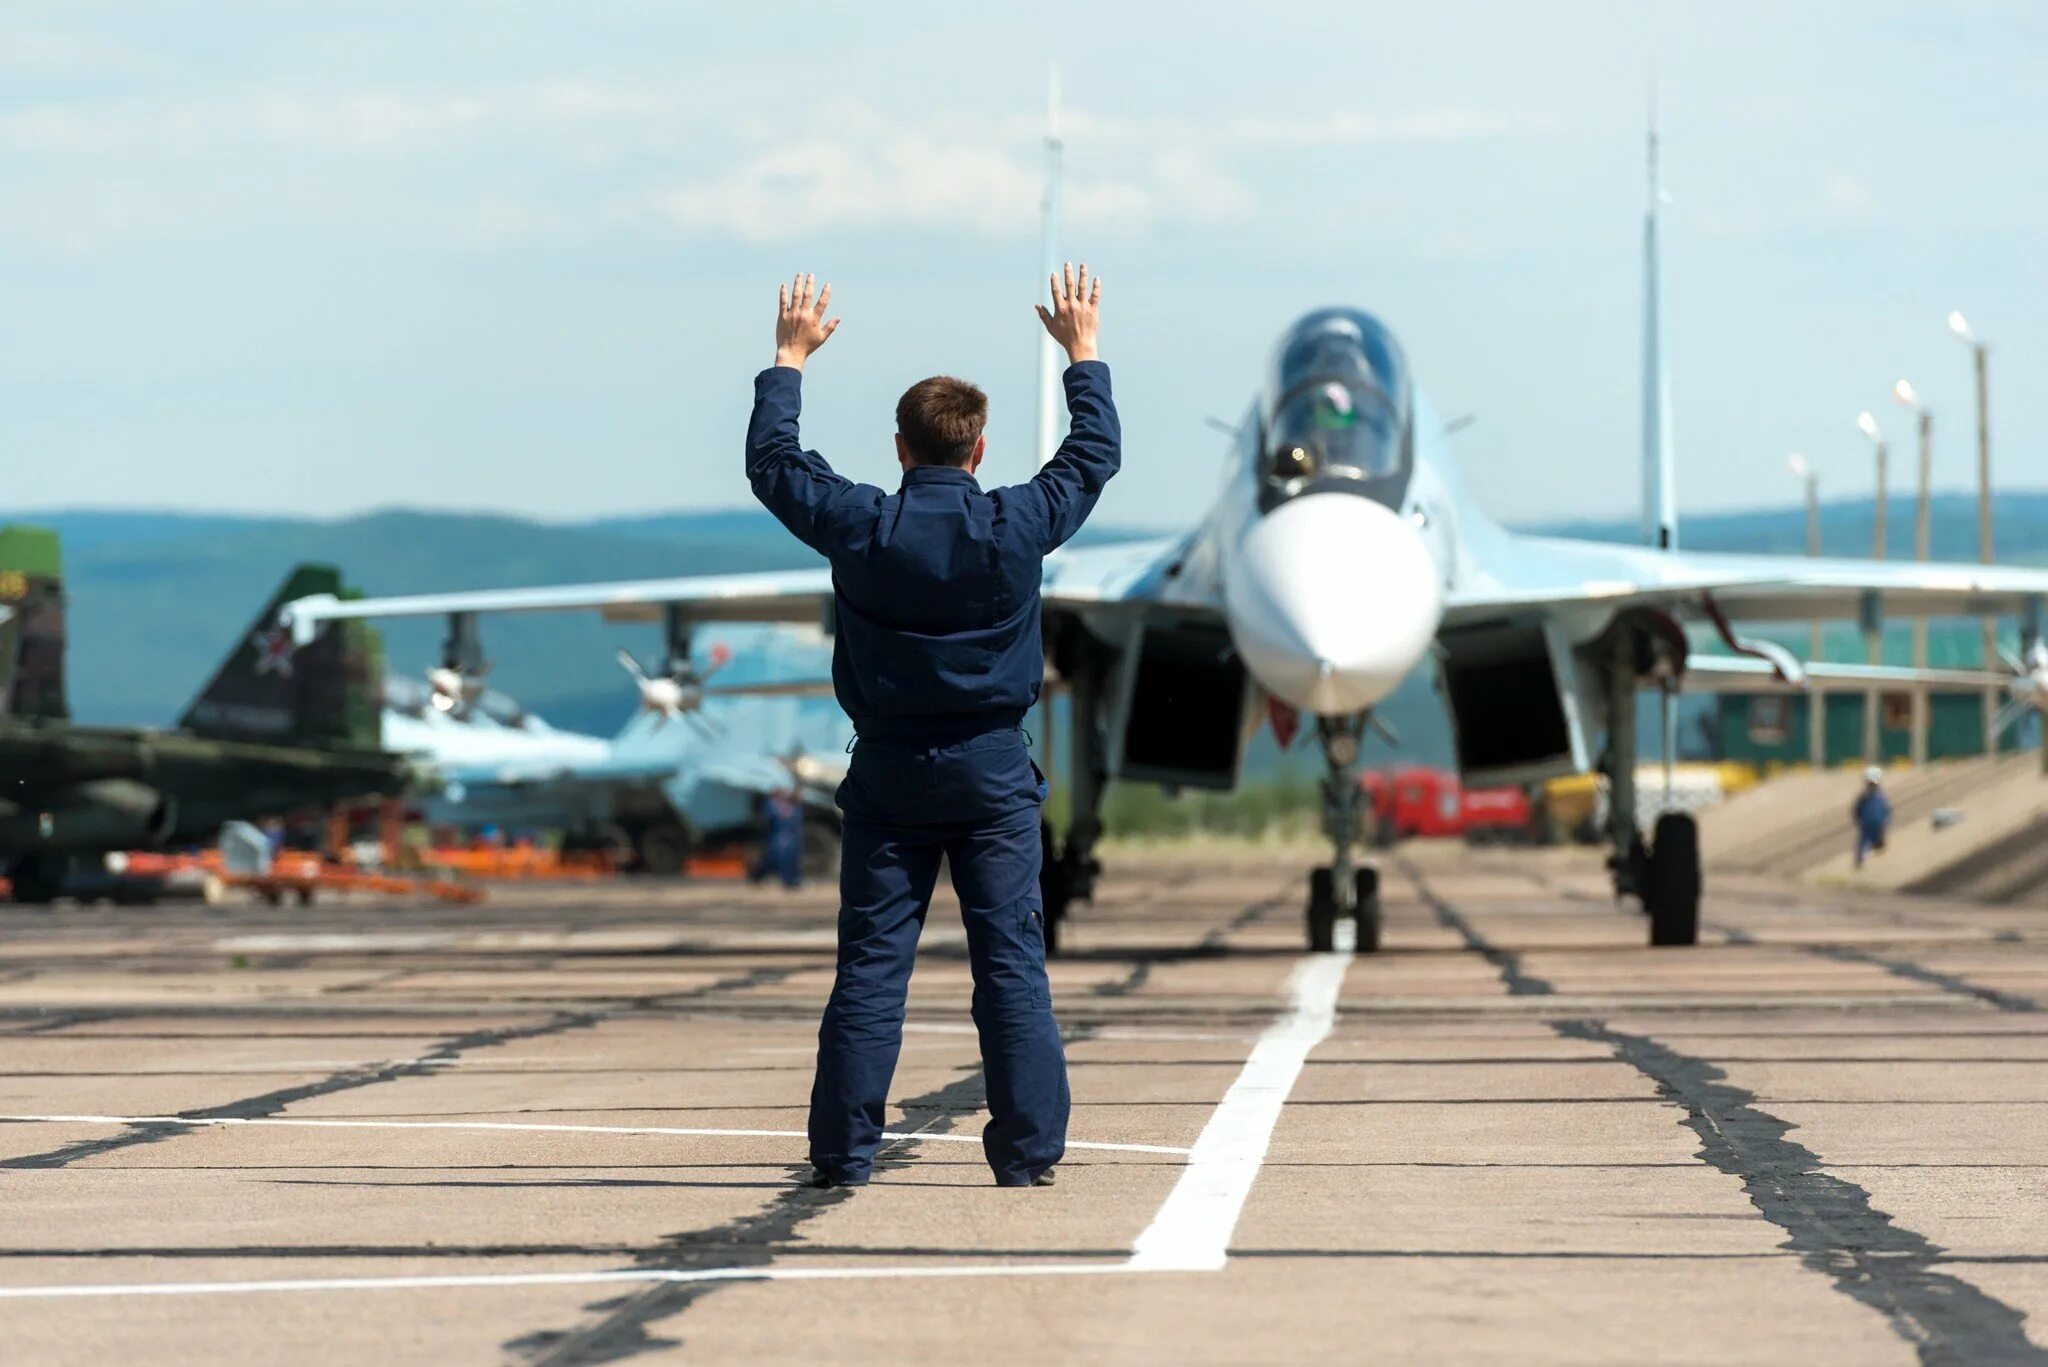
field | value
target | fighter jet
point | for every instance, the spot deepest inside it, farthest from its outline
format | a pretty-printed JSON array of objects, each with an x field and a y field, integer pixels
[
  {"x": 657, "y": 791},
  {"x": 1344, "y": 550},
  {"x": 284, "y": 725}
]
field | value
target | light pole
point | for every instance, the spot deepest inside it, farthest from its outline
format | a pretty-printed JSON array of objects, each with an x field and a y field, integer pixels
[
  {"x": 1816, "y": 702},
  {"x": 1904, "y": 392},
  {"x": 1866, "y": 422},
  {"x": 1961, "y": 328},
  {"x": 1873, "y": 641}
]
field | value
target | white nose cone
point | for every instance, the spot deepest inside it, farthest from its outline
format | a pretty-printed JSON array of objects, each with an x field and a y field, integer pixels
[{"x": 1332, "y": 600}]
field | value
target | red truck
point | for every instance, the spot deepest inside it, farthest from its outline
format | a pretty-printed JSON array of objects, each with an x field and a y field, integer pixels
[{"x": 1420, "y": 802}]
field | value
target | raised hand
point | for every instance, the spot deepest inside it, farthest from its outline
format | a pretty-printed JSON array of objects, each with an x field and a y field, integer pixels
[
  {"x": 800, "y": 326},
  {"x": 1072, "y": 320}
]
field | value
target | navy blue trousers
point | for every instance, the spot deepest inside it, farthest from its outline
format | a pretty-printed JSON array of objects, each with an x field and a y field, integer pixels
[{"x": 976, "y": 803}]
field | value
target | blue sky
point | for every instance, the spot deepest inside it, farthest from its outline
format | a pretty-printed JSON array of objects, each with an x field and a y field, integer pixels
[{"x": 318, "y": 257}]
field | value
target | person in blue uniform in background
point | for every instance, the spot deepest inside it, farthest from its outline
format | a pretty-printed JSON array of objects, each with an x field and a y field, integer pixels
[
  {"x": 936, "y": 658},
  {"x": 1871, "y": 813},
  {"x": 782, "y": 848}
]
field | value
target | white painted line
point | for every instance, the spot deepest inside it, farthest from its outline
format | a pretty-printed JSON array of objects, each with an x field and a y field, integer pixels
[
  {"x": 1191, "y": 1232},
  {"x": 503, "y": 1279},
  {"x": 690, "y": 1132},
  {"x": 1140, "y": 1032}
]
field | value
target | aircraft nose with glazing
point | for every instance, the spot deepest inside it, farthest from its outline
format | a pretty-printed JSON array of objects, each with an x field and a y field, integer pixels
[{"x": 1332, "y": 599}]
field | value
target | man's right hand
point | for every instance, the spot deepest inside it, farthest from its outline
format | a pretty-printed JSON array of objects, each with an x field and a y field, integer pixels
[
  {"x": 800, "y": 326},
  {"x": 1072, "y": 321}
]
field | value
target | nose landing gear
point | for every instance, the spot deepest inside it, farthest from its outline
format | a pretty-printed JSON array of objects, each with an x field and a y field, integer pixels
[{"x": 1341, "y": 890}]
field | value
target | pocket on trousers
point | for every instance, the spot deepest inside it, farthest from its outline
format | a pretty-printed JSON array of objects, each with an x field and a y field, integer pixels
[
  {"x": 1031, "y": 929},
  {"x": 1042, "y": 788}
]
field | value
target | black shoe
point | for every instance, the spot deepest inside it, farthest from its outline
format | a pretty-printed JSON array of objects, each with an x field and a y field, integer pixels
[
  {"x": 821, "y": 1180},
  {"x": 1042, "y": 1178}
]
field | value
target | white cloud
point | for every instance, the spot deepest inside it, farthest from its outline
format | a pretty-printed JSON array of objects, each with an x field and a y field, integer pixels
[
  {"x": 1845, "y": 193},
  {"x": 872, "y": 171}
]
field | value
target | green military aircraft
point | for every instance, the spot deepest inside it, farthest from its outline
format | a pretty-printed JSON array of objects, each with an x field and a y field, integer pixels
[{"x": 279, "y": 729}]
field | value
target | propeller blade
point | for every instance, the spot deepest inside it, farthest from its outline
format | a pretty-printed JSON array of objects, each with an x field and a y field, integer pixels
[
  {"x": 2011, "y": 659},
  {"x": 2010, "y": 714},
  {"x": 812, "y": 688},
  {"x": 632, "y": 666}
]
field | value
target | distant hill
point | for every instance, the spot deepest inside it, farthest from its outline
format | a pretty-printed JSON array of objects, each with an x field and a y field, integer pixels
[
  {"x": 2019, "y": 528},
  {"x": 157, "y": 597}
]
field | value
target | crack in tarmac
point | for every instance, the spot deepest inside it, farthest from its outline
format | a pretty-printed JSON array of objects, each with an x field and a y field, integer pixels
[
  {"x": 1829, "y": 1222},
  {"x": 1507, "y": 962},
  {"x": 1208, "y": 946},
  {"x": 751, "y": 1240},
  {"x": 1920, "y": 973}
]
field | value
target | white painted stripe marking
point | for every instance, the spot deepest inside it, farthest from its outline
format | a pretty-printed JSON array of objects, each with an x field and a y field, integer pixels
[
  {"x": 504, "y": 1279},
  {"x": 691, "y": 1132},
  {"x": 1191, "y": 1232}
]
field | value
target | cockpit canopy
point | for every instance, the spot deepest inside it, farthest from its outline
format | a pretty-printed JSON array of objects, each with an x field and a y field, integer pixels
[{"x": 1336, "y": 410}]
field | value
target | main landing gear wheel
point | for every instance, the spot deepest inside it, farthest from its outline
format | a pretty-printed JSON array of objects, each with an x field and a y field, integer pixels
[
  {"x": 664, "y": 849},
  {"x": 1671, "y": 881},
  {"x": 38, "y": 880},
  {"x": 1366, "y": 910}
]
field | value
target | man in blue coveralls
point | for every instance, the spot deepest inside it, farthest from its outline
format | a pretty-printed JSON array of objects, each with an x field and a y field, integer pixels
[
  {"x": 937, "y": 657},
  {"x": 1871, "y": 813},
  {"x": 782, "y": 846}
]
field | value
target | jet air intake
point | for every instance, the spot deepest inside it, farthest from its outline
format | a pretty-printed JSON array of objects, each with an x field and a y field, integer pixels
[{"x": 1332, "y": 600}]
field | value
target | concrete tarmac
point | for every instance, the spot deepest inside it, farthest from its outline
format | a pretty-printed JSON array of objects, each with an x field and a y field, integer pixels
[{"x": 564, "y": 1126}]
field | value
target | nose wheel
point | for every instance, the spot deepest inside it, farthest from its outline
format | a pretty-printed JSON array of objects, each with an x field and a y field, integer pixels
[{"x": 1326, "y": 907}]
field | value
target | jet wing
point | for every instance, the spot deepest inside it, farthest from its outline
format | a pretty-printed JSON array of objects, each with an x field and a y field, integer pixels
[
  {"x": 1539, "y": 572},
  {"x": 1128, "y": 572},
  {"x": 1745, "y": 674},
  {"x": 800, "y": 596},
  {"x": 1123, "y": 572},
  {"x": 529, "y": 773}
]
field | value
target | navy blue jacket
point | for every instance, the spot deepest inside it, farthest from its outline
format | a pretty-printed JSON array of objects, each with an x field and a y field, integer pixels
[{"x": 935, "y": 585}]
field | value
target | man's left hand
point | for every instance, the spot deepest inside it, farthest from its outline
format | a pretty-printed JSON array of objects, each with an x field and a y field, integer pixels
[{"x": 800, "y": 326}]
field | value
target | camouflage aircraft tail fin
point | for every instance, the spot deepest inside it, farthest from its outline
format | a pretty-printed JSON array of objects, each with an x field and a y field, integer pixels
[
  {"x": 31, "y": 624},
  {"x": 323, "y": 694}
]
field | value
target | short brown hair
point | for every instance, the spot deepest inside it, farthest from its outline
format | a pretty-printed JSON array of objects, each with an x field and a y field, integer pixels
[{"x": 939, "y": 420}]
